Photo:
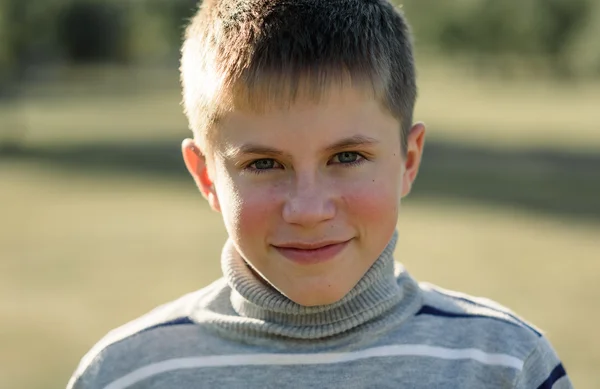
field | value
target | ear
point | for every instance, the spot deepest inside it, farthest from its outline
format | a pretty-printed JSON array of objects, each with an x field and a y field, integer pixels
[
  {"x": 412, "y": 160},
  {"x": 195, "y": 161}
]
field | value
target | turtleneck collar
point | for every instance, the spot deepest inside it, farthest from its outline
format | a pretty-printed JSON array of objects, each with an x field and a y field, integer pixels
[{"x": 379, "y": 290}]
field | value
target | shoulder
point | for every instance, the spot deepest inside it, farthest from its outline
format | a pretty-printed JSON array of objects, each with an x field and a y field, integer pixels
[
  {"x": 476, "y": 321},
  {"x": 460, "y": 321},
  {"x": 446, "y": 303},
  {"x": 174, "y": 314}
]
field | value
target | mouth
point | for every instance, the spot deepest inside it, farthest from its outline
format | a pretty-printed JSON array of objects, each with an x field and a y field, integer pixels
[{"x": 311, "y": 253}]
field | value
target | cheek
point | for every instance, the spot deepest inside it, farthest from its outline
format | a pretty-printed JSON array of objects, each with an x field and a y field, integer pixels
[
  {"x": 372, "y": 202},
  {"x": 251, "y": 208}
]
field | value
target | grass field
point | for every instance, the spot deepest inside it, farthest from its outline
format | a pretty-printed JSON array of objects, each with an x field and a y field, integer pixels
[{"x": 87, "y": 242}]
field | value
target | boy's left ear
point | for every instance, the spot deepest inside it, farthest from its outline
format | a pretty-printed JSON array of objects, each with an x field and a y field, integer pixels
[
  {"x": 412, "y": 159},
  {"x": 195, "y": 161}
]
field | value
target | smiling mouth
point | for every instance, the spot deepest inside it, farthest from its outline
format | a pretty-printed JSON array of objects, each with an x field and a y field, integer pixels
[{"x": 307, "y": 254}]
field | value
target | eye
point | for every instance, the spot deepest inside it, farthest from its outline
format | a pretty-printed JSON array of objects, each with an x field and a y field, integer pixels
[
  {"x": 347, "y": 157},
  {"x": 264, "y": 164}
]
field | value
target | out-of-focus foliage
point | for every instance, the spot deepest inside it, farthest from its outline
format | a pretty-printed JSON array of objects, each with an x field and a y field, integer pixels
[
  {"x": 93, "y": 30},
  {"x": 75, "y": 31},
  {"x": 562, "y": 35}
]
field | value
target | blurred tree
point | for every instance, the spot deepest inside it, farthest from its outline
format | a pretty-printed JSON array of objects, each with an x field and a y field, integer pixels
[
  {"x": 563, "y": 34},
  {"x": 94, "y": 31},
  {"x": 583, "y": 52},
  {"x": 12, "y": 71},
  {"x": 176, "y": 14},
  {"x": 528, "y": 29},
  {"x": 158, "y": 28},
  {"x": 12, "y": 41},
  {"x": 560, "y": 21}
]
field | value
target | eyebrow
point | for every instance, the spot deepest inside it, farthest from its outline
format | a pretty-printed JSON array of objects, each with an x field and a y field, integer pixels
[
  {"x": 353, "y": 141},
  {"x": 345, "y": 143},
  {"x": 251, "y": 148}
]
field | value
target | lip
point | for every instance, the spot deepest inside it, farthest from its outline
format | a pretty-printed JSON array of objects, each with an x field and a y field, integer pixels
[{"x": 311, "y": 253}]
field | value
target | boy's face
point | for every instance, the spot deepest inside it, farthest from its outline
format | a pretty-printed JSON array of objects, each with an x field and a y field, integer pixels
[{"x": 310, "y": 194}]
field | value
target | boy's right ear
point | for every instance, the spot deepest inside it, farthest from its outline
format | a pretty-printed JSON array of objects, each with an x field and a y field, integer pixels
[{"x": 195, "y": 161}]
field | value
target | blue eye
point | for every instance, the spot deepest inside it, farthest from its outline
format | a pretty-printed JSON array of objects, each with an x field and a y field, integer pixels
[
  {"x": 347, "y": 157},
  {"x": 264, "y": 164}
]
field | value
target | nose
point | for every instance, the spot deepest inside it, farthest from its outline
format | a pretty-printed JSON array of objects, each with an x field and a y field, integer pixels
[{"x": 309, "y": 203}]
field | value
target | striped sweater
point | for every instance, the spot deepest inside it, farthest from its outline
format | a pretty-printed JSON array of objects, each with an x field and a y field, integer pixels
[{"x": 388, "y": 332}]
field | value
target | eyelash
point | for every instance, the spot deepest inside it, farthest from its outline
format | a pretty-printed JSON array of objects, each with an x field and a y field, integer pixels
[
  {"x": 254, "y": 170},
  {"x": 361, "y": 159}
]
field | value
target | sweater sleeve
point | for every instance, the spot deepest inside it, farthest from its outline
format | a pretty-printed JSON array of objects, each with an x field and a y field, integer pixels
[
  {"x": 543, "y": 369},
  {"x": 76, "y": 382},
  {"x": 86, "y": 374}
]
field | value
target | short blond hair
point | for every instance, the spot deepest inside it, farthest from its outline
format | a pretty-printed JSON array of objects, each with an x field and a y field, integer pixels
[{"x": 254, "y": 54}]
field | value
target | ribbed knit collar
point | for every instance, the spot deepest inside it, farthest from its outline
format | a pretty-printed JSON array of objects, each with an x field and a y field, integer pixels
[{"x": 378, "y": 291}]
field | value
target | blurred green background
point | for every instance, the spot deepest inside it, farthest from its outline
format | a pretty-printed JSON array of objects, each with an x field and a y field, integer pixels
[{"x": 101, "y": 223}]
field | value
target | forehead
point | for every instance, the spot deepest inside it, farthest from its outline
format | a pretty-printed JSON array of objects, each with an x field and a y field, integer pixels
[{"x": 336, "y": 112}]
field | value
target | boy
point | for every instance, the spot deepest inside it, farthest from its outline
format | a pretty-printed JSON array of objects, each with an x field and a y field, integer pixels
[{"x": 303, "y": 140}]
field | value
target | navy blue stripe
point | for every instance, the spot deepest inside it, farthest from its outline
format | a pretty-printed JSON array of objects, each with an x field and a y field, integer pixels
[
  {"x": 558, "y": 373},
  {"x": 515, "y": 318},
  {"x": 174, "y": 322},
  {"x": 429, "y": 310}
]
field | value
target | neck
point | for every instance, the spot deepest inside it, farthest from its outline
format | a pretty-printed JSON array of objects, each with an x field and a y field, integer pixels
[{"x": 378, "y": 291}]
